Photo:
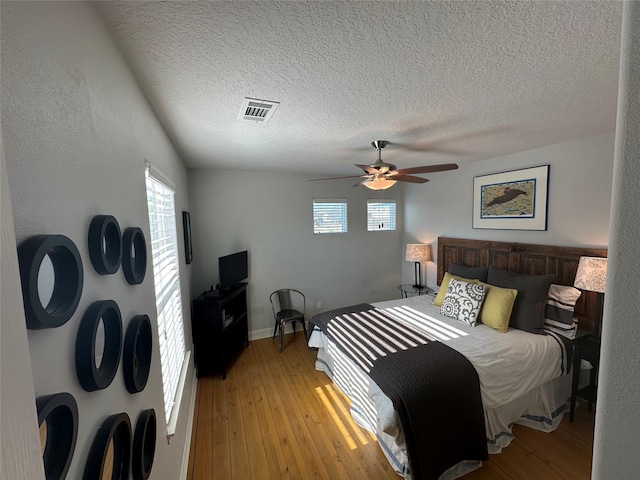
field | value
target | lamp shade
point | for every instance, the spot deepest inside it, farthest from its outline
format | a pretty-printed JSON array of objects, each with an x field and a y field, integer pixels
[
  {"x": 418, "y": 252},
  {"x": 591, "y": 274},
  {"x": 380, "y": 183}
]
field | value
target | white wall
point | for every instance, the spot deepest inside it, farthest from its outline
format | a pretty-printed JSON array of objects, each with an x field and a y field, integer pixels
[
  {"x": 21, "y": 456},
  {"x": 77, "y": 130},
  {"x": 617, "y": 416},
  {"x": 271, "y": 215},
  {"x": 580, "y": 175}
]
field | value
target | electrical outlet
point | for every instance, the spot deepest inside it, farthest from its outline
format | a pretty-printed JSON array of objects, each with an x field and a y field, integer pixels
[{"x": 318, "y": 304}]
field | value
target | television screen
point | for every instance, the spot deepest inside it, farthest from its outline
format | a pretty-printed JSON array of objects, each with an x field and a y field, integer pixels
[{"x": 232, "y": 269}]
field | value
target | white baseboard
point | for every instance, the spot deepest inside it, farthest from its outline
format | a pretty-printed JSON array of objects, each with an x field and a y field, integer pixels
[
  {"x": 268, "y": 332},
  {"x": 258, "y": 334},
  {"x": 187, "y": 444}
]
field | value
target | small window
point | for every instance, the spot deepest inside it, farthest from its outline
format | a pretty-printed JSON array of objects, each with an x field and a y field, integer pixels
[
  {"x": 329, "y": 215},
  {"x": 381, "y": 215}
]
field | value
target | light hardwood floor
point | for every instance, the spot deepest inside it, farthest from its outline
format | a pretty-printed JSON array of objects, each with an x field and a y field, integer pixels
[{"x": 276, "y": 417}]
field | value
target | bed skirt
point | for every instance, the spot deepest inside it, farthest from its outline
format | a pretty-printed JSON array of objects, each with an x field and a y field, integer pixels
[{"x": 540, "y": 408}]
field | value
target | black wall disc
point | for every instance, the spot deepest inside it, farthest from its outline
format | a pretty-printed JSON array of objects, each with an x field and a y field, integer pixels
[
  {"x": 134, "y": 258},
  {"x": 117, "y": 427},
  {"x": 91, "y": 377},
  {"x": 67, "y": 288},
  {"x": 105, "y": 244},
  {"x": 144, "y": 445},
  {"x": 60, "y": 412},
  {"x": 136, "y": 356}
]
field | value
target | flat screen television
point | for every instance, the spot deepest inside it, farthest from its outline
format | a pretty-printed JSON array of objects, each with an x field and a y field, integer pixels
[{"x": 232, "y": 269}]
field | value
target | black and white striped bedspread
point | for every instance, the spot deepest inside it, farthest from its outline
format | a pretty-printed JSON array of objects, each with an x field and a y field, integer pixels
[
  {"x": 566, "y": 350},
  {"x": 373, "y": 333},
  {"x": 434, "y": 389}
]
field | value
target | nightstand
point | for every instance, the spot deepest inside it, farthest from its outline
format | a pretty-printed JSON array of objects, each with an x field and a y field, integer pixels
[
  {"x": 587, "y": 347},
  {"x": 407, "y": 289}
]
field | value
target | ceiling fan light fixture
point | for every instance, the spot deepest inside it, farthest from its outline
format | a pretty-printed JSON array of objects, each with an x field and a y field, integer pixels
[
  {"x": 379, "y": 183},
  {"x": 381, "y": 175}
]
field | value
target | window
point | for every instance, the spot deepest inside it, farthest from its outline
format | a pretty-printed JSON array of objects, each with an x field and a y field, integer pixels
[
  {"x": 329, "y": 215},
  {"x": 166, "y": 276},
  {"x": 381, "y": 215}
]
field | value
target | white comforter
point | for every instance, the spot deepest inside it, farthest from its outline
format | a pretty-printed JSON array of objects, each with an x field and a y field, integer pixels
[
  {"x": 508, "y": 364},
  {"x": 510, "y": 367}
]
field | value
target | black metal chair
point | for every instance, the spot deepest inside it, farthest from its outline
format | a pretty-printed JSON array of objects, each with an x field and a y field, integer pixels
[{"x": 288, "y": 305}]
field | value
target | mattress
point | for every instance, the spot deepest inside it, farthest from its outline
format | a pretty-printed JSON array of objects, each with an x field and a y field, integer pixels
[{"x": 521, "y": 376}]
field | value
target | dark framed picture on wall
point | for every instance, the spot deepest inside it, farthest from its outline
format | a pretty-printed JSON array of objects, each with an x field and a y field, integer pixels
[
  {"x": 514, "y": 200},
  {"x": 186, "y": 223}
]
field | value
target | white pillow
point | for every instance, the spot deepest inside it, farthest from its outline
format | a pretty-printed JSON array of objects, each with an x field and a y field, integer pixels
[
  {"x": 463, "y": 301},
  {"x": 563, "y": 329},
  {"x": 558, "y": 313},
  {"x": 561, "y": 301}
]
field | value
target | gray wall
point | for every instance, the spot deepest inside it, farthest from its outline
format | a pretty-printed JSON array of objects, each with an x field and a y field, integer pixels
[
  {"x": 76, "y": 132},
  {"x": 580, "y": 176},
  {"x": 21, "y": 457},
  {"x": 271, "y": 215},
  {"x": 617, "y": 417}
]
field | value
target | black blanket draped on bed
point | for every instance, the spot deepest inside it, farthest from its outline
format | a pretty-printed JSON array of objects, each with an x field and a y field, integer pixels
[{"x": 434, "y": 389}]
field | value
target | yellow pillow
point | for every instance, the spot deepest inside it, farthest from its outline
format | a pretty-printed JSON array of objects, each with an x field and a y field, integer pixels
[
  {"x": 497, "y": 306},
  {"x": 445, "y": 283}
]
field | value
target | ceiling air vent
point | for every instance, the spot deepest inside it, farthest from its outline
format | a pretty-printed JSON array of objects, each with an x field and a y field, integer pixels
[{"x": 257, "y": 110}]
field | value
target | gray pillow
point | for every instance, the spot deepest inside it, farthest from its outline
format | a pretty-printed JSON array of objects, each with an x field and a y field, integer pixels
[
  {"x": 528, "y": 309},
  {"x": 474, "y": 273}
]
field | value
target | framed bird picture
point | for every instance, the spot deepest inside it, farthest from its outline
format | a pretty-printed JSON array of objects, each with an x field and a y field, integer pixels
[{"x": 513, "y": 200}]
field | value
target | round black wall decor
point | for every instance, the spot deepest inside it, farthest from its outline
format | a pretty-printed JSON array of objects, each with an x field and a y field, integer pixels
[
  {"x": 67, "y": 288},
  {"x": 60, "y": 414},
  {"x": 91, "y": 377},
  {"x": 105, "y": 244},
  {"x": 136, "y": 356},
  {"x": 144, "y": 445},
  {"x": 116, "y": 429},
  {"x": 134, "y": 258}
]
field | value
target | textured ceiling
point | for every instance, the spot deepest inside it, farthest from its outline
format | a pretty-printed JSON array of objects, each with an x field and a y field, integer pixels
[{"x": 455, "y": 81}]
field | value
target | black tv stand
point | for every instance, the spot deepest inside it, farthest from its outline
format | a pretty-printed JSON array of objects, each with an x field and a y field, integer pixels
[
  {"x": 212, "y": 294},
  {"x": 216, "y": 339}
]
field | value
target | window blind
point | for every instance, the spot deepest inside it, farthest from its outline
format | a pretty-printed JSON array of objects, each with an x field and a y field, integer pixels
[
  {"x": 329, "y": 215},
  {"x": 381, "y": 215},
  {"x": 166, "y": 277}
]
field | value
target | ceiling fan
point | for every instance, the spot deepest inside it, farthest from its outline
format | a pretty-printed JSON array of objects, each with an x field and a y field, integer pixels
[{"x": 381, "y": 175}]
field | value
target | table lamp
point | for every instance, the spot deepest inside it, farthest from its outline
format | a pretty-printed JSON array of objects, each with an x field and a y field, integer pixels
[
  {"x": 592, "y": 276},
  {"x": 418, "y": 252}
]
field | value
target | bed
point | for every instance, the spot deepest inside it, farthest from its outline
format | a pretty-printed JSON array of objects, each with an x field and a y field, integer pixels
[{"x": 520, "y": 377}]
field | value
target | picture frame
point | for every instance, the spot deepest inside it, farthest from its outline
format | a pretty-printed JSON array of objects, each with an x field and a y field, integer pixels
[
  {"x": 512, "y": 200},
  {"x": 186, "y": 224}
]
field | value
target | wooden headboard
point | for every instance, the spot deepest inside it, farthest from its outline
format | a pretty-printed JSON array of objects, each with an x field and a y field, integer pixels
[{"x": 523, "y": 258}]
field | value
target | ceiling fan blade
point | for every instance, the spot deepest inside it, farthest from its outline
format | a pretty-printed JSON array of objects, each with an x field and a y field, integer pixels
[
  {"x": 426, "y": 169},
  {"x": 362, "y": 181},
  {"x": 409, "y": 178},
  {"x": 337, "y": 178},
  {"x": 366, "y": 168}
]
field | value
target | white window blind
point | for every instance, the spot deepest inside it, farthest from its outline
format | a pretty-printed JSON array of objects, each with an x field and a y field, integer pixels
[
  {"x": 329, "y": 215},
  {"x": 381, "y": 215},
  {"x": 166, "y": 277}
]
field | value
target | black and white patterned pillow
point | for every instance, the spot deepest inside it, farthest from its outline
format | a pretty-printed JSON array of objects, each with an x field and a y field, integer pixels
[{"x": 463, "y": 301}]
